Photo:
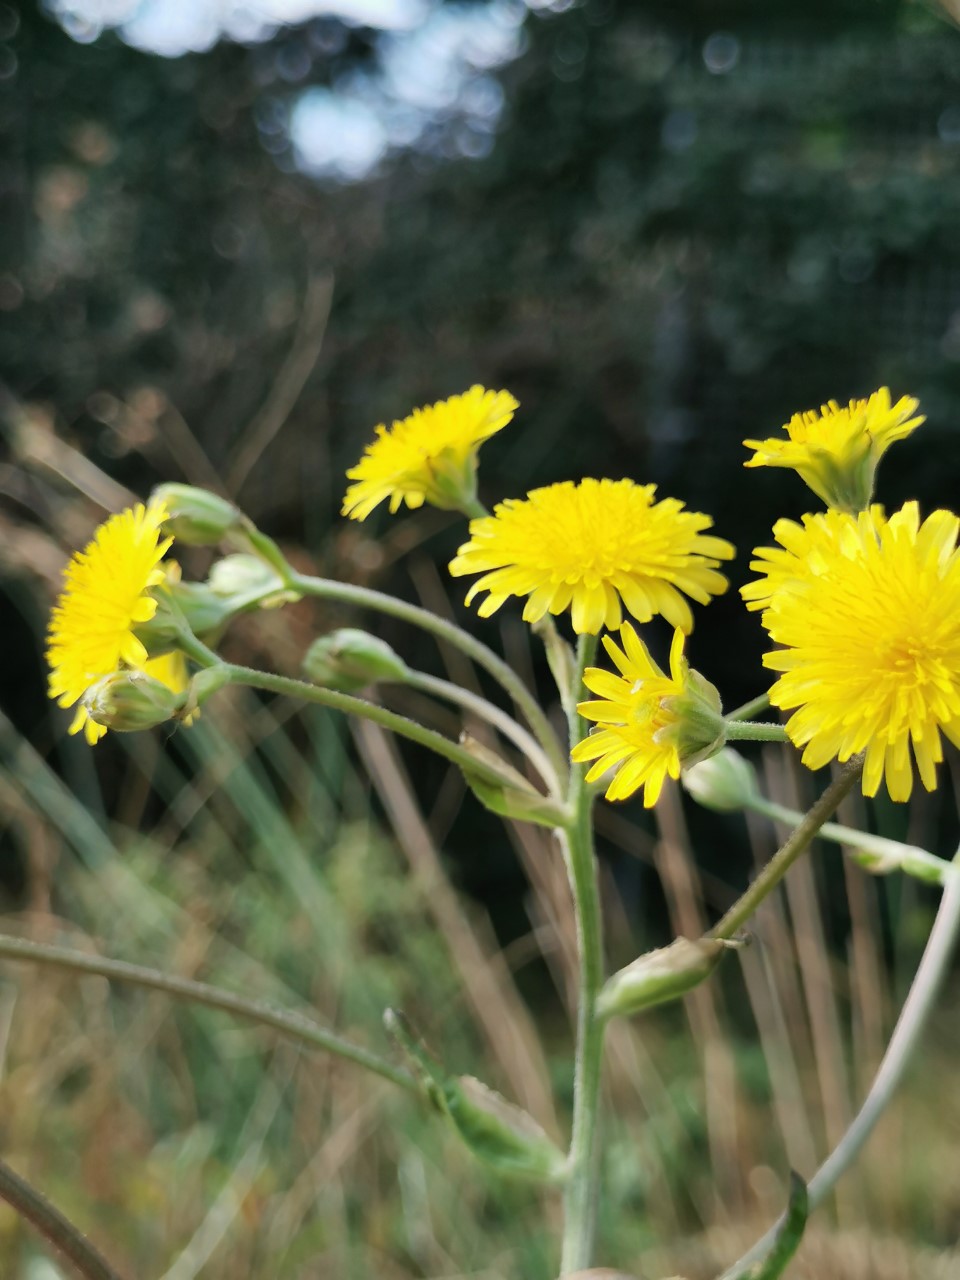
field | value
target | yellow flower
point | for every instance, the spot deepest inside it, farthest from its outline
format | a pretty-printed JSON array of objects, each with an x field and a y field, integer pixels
[
  {"x": 872, "y": 656},
  {"x": 650, "y": 723},
  {"x": 588, "y": 547},
  {"x": 836, "y": 451},
  {"x": 104, "y": 596},
  {"x": 804, "y": 549},
  {"x": 431, "y": 456}
]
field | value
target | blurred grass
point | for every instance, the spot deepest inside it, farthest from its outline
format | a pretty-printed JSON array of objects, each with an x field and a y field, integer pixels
[{"x": 285, "y": 855}]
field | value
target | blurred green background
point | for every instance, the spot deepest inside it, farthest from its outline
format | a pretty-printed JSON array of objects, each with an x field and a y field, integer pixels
[{"x": 234, "y": 238}]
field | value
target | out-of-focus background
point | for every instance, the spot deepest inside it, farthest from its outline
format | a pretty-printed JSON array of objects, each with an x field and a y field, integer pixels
[{"x": 235, "y": 237}]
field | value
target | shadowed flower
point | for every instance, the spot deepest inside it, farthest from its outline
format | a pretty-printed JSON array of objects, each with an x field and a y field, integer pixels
[
  {"x": 104, "y": 597},
  {"x": 872, "y": 656},
  {"x": 431, "y": 456},
  {"x": 836, "y": 451},
  {"x": 590, "y": 548},
  {"x": 649, "y": 723}
]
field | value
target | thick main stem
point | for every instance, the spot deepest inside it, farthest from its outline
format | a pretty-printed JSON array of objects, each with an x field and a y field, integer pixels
[
  {"x": 791, "y": 849},
  {"x": 580, "y": 1196}
]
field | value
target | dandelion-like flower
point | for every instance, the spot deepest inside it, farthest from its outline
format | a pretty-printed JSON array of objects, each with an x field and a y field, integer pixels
[
  {"x": 872, "y": 647},
  {"x": 650, "y": 724},
  {"x": 836, "y": 451},
  {"x": 105, "y": 595},
  {"x": 431, "y": 456},
  {"x": 805, "y": 549},
  {"x": 591, "y": 548}
]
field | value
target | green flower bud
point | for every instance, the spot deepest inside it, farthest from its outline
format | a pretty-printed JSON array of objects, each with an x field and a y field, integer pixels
[
  {"x": 130, "y": 700},
  {"x": 196, "y": 516},
  {"x": 725, "y": 782},
  {"x": 508, "y": 793},
  {"x": 660, "y": 976},
  {"x": 348, "y": 660},
  {"x": 501, "y": 1134},
  {"x": 248, "y": 582},
  {"x": 497, "y": 1132}
]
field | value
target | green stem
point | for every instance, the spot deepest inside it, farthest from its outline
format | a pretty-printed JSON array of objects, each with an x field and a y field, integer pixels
[
  {"x": 53, "y": 1226},
  {"x": 751, "y": 708},
  {"x": 876, "y": 853},
  {"x": 789, "y": 851},
  {"x": 286, "y": 1021},
  {"x": 472, "y": 764},
  {"x": 581, "y": 1192},
  {"x": 928, "y": 980},
  {"x": 365, "y": 598},
  {"x": 493, "y": 714},
  {"x": 743, "y": 731}
]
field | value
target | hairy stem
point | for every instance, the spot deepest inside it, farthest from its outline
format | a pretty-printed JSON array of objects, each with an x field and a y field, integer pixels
[
  {"x": 747, "y": 731},
  {"x": 580, "y": 1196},
  {"x": 493, "y": 714},
  {"x": 54, "y": 1227},
  {"x": 791, "y": 849},
  {"x": 904, "y": 1042},
  {"x": 286, "y": 1021},
  {"x": 364, "y": 597}
]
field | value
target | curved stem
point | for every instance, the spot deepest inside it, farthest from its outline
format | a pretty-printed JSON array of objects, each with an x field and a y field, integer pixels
[
  {"x": 906, "y": 1037},
  {"x": 406, "y": 728},
  {"x": 53, "y": 1226},
  {"x": 364, "y": 597},
  {"x": 292, "y": 1024},
  {"x": 493, "y": 714},
  {"x": 747, "y": 731},
  {"x": 580, "y": 1195},
  {"x": 791, "y": 849}
]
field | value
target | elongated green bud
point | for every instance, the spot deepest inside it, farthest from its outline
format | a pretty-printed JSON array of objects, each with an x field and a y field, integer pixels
[
  {"x": 504, "y": 791},
  {"x": 127, "y": 701},
  {"x": 725, "y": 782},
  {"x": 196, "y": 516},
  {"x": 349, "y": 660},
  {"x": 496, "y": 1131},
  {"x": 660, "y": 976}
]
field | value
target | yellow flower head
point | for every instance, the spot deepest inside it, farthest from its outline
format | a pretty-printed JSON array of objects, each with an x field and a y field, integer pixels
[
  {"x": 104, "y": 596},
  {"x": 431, "y": 456},
  {"x": 805, "y": 549},
  {"x": 836, "y": 451},
  {"x": 650, "y": 723},
  {"x": 588, "y": 547},
  {"x": 872, "y": 647}
]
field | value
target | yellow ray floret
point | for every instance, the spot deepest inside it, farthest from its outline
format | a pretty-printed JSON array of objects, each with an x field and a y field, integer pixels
[
  {"x": 872, "y": 646},
  {"x": 596, "y": 548},
  {"x": 104, "y": 597},
  {"x": 430, "y": 456},
  {"x": 637, "y": 735},
  {"x": 836, "y": 451}
]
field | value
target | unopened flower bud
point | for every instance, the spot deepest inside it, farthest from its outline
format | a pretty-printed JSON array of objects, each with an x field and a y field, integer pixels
[
  {"x": 504, "y": 791},
  {"x": 495, "y": 1131},
  {"x": 349, "y": 659},
  {"x": 130, "y": 700},
  {"x": 247, "y": 582},
  {"x": 660, "y": 976},
  {"x": 725, "y": 782},
  {"x": 196, "y": 516}
]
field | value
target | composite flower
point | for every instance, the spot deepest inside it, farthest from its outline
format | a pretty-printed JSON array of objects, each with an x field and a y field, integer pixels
[
  {"x": 648, "y": 723},
  {"x": 430, "y": 456},
  {"x": 804, "y": 550},
  {"x": 871, "y": 648},
  {"x": 105, "y": 595},
  {"x": 600, "y": 548},
  {"x": 836, "y": 451}
]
